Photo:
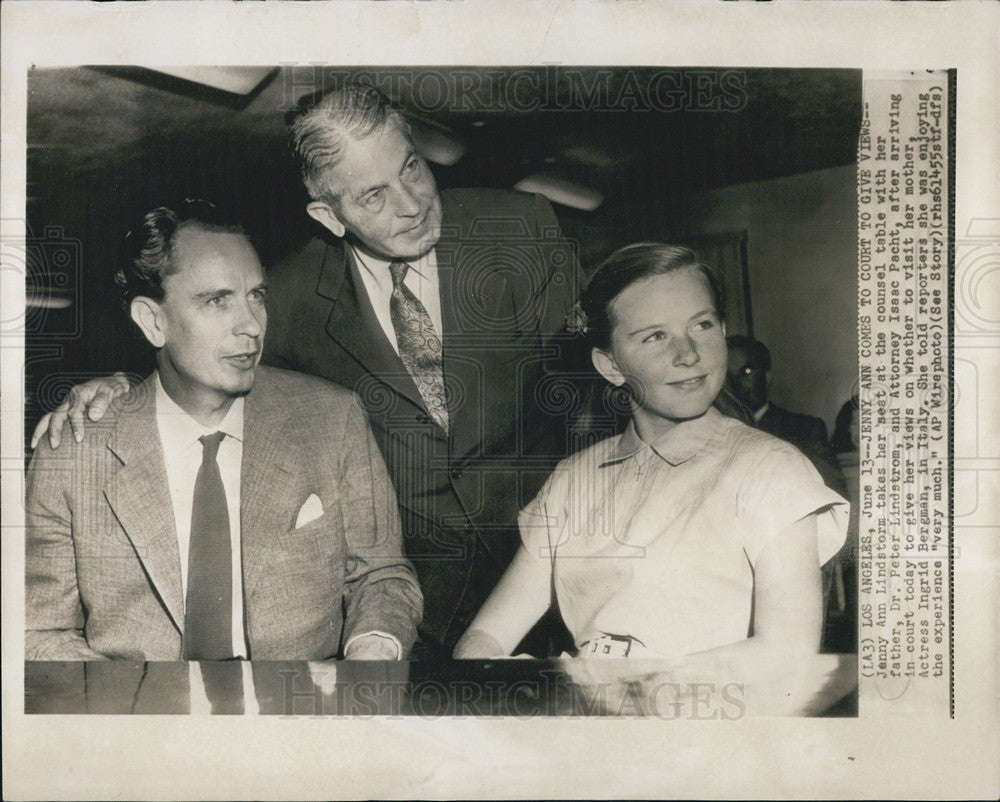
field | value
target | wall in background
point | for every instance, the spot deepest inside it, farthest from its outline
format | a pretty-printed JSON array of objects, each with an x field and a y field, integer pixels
[{"x": 802, "y": 257}]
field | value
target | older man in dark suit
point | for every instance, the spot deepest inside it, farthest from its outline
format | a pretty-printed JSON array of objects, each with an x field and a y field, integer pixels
[{"x": 441, "y": 310}]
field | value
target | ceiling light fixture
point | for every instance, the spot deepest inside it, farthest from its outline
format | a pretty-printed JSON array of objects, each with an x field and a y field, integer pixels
[
  {"x": 237, "y": 80},
  {"x": 561, "y": 191},
  {"x": 436, "y": 146}
]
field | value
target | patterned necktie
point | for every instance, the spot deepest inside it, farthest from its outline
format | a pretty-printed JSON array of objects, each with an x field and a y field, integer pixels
[
  {"x": 419, "y": 345},
  {"x": 208, "y": 611}
]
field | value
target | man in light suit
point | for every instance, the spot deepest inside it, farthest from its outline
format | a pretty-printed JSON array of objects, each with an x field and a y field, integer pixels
[
  {"x": 471, "y": 423},
  {"x": 220, "y": 509}
]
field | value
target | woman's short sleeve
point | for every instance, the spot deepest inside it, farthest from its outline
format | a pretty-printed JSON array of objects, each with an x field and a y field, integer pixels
[
  {"x": 783, "y": 487},
  {"x": 538, "y": 518}
]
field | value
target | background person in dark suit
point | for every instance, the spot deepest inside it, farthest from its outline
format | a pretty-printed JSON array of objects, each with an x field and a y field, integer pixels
[
  {"x": 749, "y": 368},
  {"x": 441, "y": 311},
  {"x": 221, "y": 509}
]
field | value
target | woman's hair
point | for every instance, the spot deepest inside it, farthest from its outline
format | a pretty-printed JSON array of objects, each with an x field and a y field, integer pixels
[
  {"x": 634, "y": 263},
  {"x": 841, "y": 439},
  {"x": 624, "y": 268}
]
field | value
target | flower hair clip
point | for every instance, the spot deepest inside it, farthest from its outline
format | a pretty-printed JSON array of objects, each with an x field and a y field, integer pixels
[{"x": 576, "y": 320}]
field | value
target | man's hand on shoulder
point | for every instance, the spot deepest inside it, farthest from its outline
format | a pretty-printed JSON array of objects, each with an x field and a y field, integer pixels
[{"x": 92, "y": 397}]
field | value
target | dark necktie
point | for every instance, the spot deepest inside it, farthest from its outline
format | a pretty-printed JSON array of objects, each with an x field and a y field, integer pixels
[
  {"x": 419, "y": 345},
  {"x": 208, "y": 612}
]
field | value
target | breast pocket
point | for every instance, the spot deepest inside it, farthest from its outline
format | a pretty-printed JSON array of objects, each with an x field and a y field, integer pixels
[
  {"x": 309, "y": 559},
  {"x": 322, "y": 535}
]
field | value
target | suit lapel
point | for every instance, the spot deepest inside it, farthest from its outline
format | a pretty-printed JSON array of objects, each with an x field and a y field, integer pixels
[
  {"x": 353, "y": 324},
  {"x": 265, "y": 476},
  {"x": 461, "y": 377},
  {"x": 140, "y": 497},
  {"x": 463, "y": 342}
]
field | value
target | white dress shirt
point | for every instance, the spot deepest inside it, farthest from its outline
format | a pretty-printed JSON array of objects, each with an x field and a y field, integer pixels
[
  {"x": 421, "y": 279},
  {"x": 182, "y": 455}
]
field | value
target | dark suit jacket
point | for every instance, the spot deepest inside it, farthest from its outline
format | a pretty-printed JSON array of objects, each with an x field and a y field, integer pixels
[
  {"x": 808, "y": 435},
  {"x": 507, "y": 279},
  {"x": 103, "y": 566}
]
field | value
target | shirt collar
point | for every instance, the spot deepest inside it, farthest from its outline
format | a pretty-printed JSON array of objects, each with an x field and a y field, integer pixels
[
  {"x": 182, "y": 428},
  {"x": 675, "y": 446},
  {"x": 378, "y": 269}
]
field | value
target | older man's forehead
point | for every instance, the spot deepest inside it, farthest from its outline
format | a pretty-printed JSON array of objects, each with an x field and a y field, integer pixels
[{"x": 384, "y": 157}]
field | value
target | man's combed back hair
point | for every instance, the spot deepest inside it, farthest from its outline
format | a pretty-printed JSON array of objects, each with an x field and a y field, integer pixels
[
  {"x": 148, "y": 247},
  {"x": 319, "y": 130}
]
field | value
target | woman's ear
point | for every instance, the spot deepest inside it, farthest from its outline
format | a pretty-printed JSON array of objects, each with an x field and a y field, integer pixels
[
  {"x": 606, "y": 366},
  {"x": 146, "y": 314},
  {"x": 324, "y": 214}
]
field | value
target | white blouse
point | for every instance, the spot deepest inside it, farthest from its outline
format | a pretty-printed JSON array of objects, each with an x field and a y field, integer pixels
[{"x": 659, "y": 541}]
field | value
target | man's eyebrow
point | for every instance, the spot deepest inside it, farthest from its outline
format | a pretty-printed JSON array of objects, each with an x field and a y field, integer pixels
[
  {"x": 218, "y": 292},
  {"x": 410, "y": 154},
  {"x": 362, "y": 192},
  {"x": 366, "y": 190}
]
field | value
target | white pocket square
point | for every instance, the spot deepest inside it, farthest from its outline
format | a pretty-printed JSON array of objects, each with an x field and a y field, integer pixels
[{"x": 310, "y": 511}]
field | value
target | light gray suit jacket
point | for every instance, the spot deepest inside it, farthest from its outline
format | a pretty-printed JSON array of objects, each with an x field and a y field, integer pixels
[{"x": 103, "y": 566}]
